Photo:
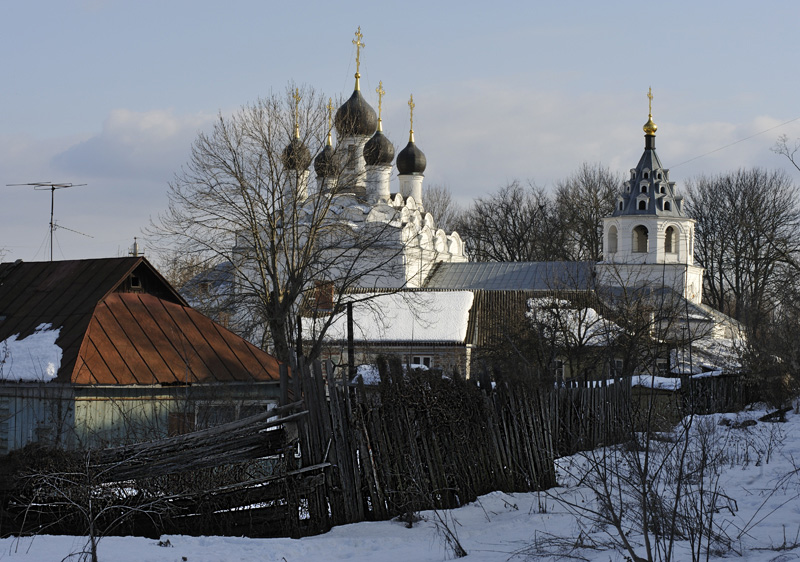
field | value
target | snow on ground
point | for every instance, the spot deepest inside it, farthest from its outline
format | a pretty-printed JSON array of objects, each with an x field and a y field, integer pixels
[
  {"x": 760, "y": 475},
  {"x": 34, "y": 358}
]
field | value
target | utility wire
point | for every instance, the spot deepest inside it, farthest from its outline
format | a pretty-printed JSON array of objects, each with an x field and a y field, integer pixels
[{"x": 736, "y": 142}]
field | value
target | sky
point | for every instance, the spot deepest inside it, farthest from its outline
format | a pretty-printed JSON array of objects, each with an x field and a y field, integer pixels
[{"x": 112, "y": 93}]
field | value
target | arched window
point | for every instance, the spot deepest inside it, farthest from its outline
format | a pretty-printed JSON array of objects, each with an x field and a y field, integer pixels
[
  {"x": 667, "y": 206},
  {"x": 640, "y": 239},
  {"x": 612, "y": 240},
  {"x": 644, "y": 188},
  {"x": 663, "y": 189},
  {"x": 620, "y": 205},
  {"x": 646, "y": 175},
  {"x": 670, "y": 241},
  {"x": 642, "y": 205}
]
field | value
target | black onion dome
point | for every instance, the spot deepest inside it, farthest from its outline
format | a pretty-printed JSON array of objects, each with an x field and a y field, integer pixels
[
  {"x": 324, "y": 164},
  {"x": 411, "y": 160},
  {"x": 356, "y": 117},
  {"x": 378, "y": 150},
  {"x": 296, "y": 155}
]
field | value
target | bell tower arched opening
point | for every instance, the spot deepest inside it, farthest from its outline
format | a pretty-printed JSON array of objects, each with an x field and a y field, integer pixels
[{"x": 640, "y": 239}]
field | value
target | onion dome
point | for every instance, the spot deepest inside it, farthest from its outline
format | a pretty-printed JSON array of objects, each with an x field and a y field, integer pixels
[
  {"x": 650, "y": 127},
  {"x": 296, "y": 155},
  {"x": 411, "y": 159},
  {"x": 324, "y": 163},
  {"x": 378, "y": 150},
  {"x": 356, "y": 117}
]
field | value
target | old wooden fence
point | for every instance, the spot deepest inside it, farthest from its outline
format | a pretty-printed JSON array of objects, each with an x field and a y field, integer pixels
[
  {"x": 342, "y": 453},
  {"x": 420, "y": 441}
]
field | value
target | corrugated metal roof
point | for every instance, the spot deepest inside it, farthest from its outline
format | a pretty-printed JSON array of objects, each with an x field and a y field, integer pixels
[
  {"x": 497, "y": 314},
  {"x": 513, "y": 276},
  {"x": 121, "y": 323}
]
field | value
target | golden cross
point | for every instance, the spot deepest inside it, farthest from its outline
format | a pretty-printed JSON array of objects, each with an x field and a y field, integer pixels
[
  {"x": 381, "y": 92},
  {"x": 357, "y": 42},
  {"x": 411, "y": 107},
  {"x": 330, "y": 117},
  {"x": 650, "y": 102},
  {"x": 297, "y": 99}
]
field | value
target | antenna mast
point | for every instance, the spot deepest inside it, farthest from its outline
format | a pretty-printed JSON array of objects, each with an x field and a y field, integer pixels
[{"x": 44, "y": 185}]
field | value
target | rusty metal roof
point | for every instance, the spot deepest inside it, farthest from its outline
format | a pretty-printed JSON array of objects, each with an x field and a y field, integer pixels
[{"x": 121, "y": 323}]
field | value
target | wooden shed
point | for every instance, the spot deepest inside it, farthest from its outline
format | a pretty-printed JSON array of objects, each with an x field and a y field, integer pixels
[{"x": 106, "y": 351}]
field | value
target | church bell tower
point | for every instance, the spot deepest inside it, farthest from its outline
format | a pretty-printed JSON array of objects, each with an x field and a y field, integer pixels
[{"x": 649, "y": 239}]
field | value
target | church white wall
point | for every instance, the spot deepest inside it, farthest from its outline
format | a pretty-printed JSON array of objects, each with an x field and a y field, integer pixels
[
  {"x": 378, "y": 188},
  {"x": 354, "y": 173},
  {"x": 411, "y": 186},
  {"x": 685, "y": 280}
]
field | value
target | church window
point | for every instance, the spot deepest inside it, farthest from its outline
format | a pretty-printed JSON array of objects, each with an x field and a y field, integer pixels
[
  {"x": 646, "y": 175},
  {"x": 620, "y": 205},
  {"x": 642, "y": 205},
  {"x": 663, "y": 189},
  {"x": 640, "y": 239},
  {"x": 670, "y": 245},
  {"x": 612, "y": 240},
  {"x": 667, "y": 206},
  {"x": 644, "y": 188},
  {"x": 658, "y": 175}
]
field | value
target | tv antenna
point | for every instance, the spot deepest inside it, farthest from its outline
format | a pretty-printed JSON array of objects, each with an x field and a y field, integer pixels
[{"x": 43, "y": 186}]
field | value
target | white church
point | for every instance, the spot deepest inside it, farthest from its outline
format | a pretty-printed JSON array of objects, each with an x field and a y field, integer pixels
[{"x": 435, "y": 308}]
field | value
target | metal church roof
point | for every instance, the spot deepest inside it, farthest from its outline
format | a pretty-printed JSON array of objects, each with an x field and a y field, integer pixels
[{"x": 513, "y": 276}]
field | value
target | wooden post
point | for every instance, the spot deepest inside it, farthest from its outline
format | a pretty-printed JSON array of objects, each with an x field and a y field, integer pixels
[
  {"x": 284, "y": 385},
  {"x": 351, "y": 348}
]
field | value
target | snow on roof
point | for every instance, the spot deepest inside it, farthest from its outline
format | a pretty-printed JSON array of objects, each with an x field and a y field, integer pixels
[
  {"x": 569, "y": 324},
  {"x": 407, "y": 316},
  {"x": 34, "y": 358}
]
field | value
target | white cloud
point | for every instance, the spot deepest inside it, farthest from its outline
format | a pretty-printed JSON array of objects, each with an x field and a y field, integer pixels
[{"x": 142, "y": 145}]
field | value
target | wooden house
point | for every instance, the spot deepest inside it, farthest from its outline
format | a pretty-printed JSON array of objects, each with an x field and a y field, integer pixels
[{"x": 103, "y": 351}]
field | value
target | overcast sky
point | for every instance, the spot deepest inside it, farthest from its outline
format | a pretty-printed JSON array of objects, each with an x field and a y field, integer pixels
[{"x": 112, "y": 93}]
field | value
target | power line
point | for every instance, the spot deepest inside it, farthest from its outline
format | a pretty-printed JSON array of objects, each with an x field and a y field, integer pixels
[{"x": 736, "y": 142}]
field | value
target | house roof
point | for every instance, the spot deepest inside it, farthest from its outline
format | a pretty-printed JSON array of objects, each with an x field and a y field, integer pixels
[
  {"x": 406, "y": 316},
  {"x": 120, "y": 322},
  {"x": 512, "y": 276}
]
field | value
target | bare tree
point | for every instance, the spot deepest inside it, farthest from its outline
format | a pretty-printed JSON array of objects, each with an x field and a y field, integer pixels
[
  {"x": 746, "y": 237},
  {"x": 439, "y": 203},
  {"x": 517, "y": 223},
  {"x": 246, "y": 201},
  {"x": 582, "y": 200},
  {"x": 65, "y": 490},
  {"x": 784, "y": 148}
]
